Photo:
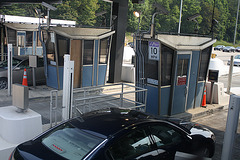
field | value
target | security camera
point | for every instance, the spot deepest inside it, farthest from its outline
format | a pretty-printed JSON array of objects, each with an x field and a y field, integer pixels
[
  {"x": 192, "y": 18},
  {"x": 49, "y": 6}
]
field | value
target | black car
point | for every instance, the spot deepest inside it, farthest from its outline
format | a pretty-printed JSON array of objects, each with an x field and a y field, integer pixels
[{"x": 117, "y": 134}]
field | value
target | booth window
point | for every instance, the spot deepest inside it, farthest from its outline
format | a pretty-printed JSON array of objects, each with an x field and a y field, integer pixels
[
  {"x": 151, "y": 66},
  {"x": 204, "y": 61},
  {"x": 182, "y": 69},
  {"x": 21, "y": 39},
  {"x": 166, "y": 65},
  {"x": 63, "y": 48},
  {"x": 12, "y": 36},
  {"x": 50, "y": 48},
  {"x": 88, "y": 52},
  {"x": 29, "y": 39},
  {"x": 104, "y": 48}
]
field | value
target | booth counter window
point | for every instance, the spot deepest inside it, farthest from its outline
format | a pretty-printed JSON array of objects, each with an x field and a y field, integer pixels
[
  {"x": 166, "y": 65},
  {"x": 63, "y": 48},
  {"x": 204, "y": 61},
  {"x": 151, "y": 66},
  {"x": 50, "y": 48},
  {"x": 11, "y": 36},
  {"x": 88, "y": 52},
  {"x": 104, "y": 49}
]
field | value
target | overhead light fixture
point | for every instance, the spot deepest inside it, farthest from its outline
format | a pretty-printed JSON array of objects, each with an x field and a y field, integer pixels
[
  {"x": 136, "y": 14},
  {"x": 50, "y": 7}
]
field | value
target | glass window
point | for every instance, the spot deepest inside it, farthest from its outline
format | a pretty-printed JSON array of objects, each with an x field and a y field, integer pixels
[
  {"x": 24, "y": 64},
  {"x": 88, "y": 52},
  {"x": 70, "y": 142},
  {"x": 21, "y": 39},
  {"x": 104, "y": 49},
  {"x": 182, "y": 69},
  {"x": 151, "y": 66},
  {"x": 12, "y": 36},
  {"x": 133, "y": 144},
  {"x": 165, "y": 135},
  {"x": 204, "y": 61},
  {"x": 29, "y": 39},
  {"x": 166, "y": 65},
  {"x": 63, "y": 48},
  {"x": 50, "y": 48}
]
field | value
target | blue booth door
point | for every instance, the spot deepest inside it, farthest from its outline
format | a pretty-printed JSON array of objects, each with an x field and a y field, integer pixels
[{"x": 181, "y": 82}]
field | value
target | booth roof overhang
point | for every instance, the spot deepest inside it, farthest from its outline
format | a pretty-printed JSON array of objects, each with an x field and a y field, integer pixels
[
  {"x": 22, "y": 27},
  {"x": 179, "y": 42},
  {"x": 82, "y": 33}
]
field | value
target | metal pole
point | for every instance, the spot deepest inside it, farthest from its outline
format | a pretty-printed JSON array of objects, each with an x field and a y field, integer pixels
[
  {"x": 180, "y": 17},
  {"x": 236, "y": 24},
  {"x": 2, "y": 44},
  {"x": 9, "y": 69},
  {"x": 34, "y": 80},
  {"x": 231, "y": 127},
  {"x": 230, "y": 75}
]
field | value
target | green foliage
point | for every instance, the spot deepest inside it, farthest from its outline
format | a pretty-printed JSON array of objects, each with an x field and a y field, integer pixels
[{"x": 85, "y": 13}]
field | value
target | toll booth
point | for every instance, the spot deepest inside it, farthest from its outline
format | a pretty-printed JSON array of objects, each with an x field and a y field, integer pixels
[
  {"x": 88, "y": 48},
  {"x": 174, "y": 69}
]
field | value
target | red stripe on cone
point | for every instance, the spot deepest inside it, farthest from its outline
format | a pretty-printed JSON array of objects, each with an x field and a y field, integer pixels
[{"x": 24, "y": 81}]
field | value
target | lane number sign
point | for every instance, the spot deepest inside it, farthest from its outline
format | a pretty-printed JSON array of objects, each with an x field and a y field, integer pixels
[{"x": 153, "y": 51}]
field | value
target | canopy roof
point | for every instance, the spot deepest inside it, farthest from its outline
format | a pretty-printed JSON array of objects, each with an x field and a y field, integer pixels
[
  {"x": 82, "y": 33},
  {"x": 180, "y": 42}
]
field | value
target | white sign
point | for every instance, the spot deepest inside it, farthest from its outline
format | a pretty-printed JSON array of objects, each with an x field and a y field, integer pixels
[{"x": 154, "y": 50}]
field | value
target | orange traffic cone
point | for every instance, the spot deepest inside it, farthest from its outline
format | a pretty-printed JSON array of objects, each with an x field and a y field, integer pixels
[
  {"x": 204, "y": 98},
  {"x": 24, "y": 81}
]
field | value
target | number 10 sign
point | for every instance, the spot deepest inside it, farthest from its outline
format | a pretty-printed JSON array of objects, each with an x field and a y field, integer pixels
[{"x": 153, "y": 51}]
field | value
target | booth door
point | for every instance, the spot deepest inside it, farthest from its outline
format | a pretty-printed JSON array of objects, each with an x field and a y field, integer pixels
[
  {"x": 76, "y": 56},
  {"x": 181, "y": 83}
]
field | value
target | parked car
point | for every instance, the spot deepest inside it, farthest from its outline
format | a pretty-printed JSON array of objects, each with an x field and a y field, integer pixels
[
  {"x": 219, "y": 47},
  {"x": 130, "y": 44},
  {"x": 19, "y": 63},
  {"x": 236, "y": 61},
  {"x": 117, "y": 134},
  {"x": 237, "y": 49},
  {"x": 228, "y": 49}
]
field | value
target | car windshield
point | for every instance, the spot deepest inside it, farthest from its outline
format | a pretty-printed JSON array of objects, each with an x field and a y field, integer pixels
[
  {"x": 237, "y": 57},
  {"x": 70, "y": 142},
  {"x": 14, "y": 63}
]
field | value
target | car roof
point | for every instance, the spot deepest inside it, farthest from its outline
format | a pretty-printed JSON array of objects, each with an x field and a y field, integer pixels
[{"x": 110, "y": 122}]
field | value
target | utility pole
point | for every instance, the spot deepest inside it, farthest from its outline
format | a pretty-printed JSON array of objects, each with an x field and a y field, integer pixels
[
  {"x": 180, "y": 17},
  {"x": 236, "y": 24}
]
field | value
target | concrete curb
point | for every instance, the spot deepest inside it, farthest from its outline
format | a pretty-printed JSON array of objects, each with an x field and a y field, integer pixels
[{"x": 200, "y": 112}]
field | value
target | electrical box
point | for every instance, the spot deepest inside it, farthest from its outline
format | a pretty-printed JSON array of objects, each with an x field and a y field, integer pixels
[
  {"x": 213, "y": 75},
  {"x": 20, "y": 96},
  {"x": 33, "y": 61}
]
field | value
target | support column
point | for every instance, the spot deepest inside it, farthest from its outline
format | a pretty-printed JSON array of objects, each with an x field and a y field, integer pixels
[{"x": 120, "y": 9}]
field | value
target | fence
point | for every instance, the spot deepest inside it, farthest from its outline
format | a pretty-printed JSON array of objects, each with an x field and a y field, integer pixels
[{"x": 87, "y": 99}]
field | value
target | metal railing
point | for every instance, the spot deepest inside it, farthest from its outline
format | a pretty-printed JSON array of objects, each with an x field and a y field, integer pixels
[{"x": 121, "y": 95}]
